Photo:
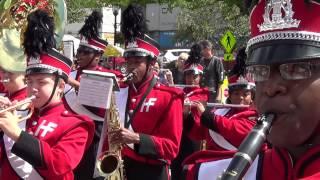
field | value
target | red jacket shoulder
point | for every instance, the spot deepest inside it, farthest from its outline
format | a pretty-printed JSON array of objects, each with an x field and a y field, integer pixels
[
  {"x": 171, "y": 90},
  {"x": 80, "y": 120}
]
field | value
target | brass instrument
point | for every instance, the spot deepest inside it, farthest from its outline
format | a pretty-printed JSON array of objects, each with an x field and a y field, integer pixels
[
  {"x": 19, "y": 105},
  {"x": 110, "y": 164}
]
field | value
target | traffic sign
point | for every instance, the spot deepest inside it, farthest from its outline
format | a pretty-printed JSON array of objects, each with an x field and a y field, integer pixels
[
  {"x": 228, "y": 41},
  {"x": 228, "y": 57}
]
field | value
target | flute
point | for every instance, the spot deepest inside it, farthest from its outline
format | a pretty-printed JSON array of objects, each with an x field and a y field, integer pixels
[
  {"x": 219, "y": 105},
  {"x": 182, "y": 85}
]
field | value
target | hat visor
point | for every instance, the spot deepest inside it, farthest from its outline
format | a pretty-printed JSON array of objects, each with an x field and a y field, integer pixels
[
  {"x": 127, "y": 54},
  {"x": 241, "y": 86},
  {"x": 283, "y": 51}
]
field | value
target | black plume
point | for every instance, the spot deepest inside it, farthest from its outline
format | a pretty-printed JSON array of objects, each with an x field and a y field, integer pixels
[
  {"x": 39, "y": 34},
  {"x": 92, "y": 24},
  {"x": 240, "y": 67},
  {"x": 250, "y": 3},
  {"x": 133, "y": 23},
  {"x": 194, "y": 54}
]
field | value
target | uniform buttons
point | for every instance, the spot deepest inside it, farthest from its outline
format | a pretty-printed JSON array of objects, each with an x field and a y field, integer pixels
[
  {"x": 133, "y": 100},
  {"x": 65, "y": 112},
  {"x": 131, "y": 111},
  {"x": 34, "y": 123},
  {"x": 158, "y": 85},
  {"x": 30, "y": 132}
]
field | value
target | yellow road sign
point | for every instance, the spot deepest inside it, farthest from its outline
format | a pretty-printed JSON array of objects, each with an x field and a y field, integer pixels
[
  {"x": 228, "y": 41},
  {"x": 228, "y": 57}
]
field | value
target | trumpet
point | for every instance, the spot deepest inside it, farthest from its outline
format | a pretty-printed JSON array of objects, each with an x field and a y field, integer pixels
[{"x": 19, "y": 105}]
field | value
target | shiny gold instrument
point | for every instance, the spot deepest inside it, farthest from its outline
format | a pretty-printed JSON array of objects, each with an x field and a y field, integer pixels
[
  {"x": 24, "y": 104},
  {"x": 110, "y": 163}
]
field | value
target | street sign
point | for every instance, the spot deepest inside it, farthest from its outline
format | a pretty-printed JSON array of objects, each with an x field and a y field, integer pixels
[
  {"x": 228, "y": 41},
  {"x": 228, "y": 57}
]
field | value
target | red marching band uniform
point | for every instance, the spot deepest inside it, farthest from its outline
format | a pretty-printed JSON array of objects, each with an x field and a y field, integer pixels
[
  {"x": 225, "y": 128},
  {"x": 53, "y": 140},
  {"x": 152, "y": 110},
  {"x": 270, "y": 29}
]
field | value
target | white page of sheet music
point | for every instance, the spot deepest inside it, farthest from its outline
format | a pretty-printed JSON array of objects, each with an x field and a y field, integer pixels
[{"x": 95, "y": 91}]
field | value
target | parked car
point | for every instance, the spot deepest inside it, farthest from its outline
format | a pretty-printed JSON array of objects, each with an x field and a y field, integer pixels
[{"x": 172, "y": 54}]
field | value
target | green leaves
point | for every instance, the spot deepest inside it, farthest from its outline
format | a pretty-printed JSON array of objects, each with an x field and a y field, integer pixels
[
  {"x": 209, "y": 19},
  {"x": 7, "y": 4}
]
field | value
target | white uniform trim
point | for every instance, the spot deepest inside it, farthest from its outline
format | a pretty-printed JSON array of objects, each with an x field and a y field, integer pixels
[
  {"x": 23, "y": 169},
  {"x": 216, "y": 137},
  {"x": 221, "y": 141},
  {"x": 214, "y": 169}
]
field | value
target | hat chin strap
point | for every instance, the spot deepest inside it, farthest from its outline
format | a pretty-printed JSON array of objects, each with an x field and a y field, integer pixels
[
  {"x": 56, "y": 80},
  {"x": 90, "y": 62}
]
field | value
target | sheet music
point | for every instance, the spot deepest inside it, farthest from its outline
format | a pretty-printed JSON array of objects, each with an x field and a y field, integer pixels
[{"x": 95, "y": 90}]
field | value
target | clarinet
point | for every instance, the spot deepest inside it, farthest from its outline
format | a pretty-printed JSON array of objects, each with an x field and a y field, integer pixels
[{"x": 249, "y": 149}]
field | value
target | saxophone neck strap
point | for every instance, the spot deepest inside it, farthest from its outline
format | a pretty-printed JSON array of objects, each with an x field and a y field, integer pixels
[{"x": 129, "y": 117}]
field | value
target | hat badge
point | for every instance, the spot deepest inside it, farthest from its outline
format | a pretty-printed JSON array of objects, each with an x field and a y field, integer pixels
[
  {"x": 278, "y": 14},
  {"x": 132, "y": 44},
  {"x": 242, "y": 80},
  {"x": 34, "y": 60}
]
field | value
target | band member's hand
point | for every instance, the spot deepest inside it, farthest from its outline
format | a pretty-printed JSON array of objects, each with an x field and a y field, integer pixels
[
  {"x": 169, "y": 77},
  {"x": 186, "y": 107},
  {"x": 74, "y": 83},
  {"x": 4, "y": 102},
  {"x": 124, "y": 136},
  {"x": 9, "y": 125},
  {"x": 199, "y": 105}
]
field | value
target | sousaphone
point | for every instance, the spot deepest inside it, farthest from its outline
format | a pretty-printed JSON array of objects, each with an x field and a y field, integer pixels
[{"x": 13, "y": 18}]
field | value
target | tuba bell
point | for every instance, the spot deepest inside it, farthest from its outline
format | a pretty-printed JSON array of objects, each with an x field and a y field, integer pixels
[{"x": 13, "y": 18}]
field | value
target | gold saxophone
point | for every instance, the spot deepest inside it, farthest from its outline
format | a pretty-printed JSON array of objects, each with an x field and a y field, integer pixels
[{"x": 110, "y": 163}]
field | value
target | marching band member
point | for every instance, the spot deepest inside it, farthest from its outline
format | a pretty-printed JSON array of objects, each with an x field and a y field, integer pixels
[
  {"x": 90, "y": 50},
  {"x": 52, "y": 141},
  {"x": 284, "y": 61},
  {"x": 226, "y": 128},
  {"x": 153, "y": 118},
  {"x": 192, "y": 75},
  {"x": 13, "y": 83},
  {"x": 89, "y": 53}
]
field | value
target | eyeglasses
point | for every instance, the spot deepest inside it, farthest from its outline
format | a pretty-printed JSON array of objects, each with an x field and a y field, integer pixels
[{"x": 288, "y": 71}]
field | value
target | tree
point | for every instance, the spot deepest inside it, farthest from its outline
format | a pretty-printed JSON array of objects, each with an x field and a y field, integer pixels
[{"x": 209, "y": 19}]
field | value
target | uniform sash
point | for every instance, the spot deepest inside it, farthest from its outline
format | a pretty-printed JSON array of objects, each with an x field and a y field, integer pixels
[
  {"x": 216, "y": 137},
  {"x": 23, "y": 169},
  {"x": 212, "y": 170}
]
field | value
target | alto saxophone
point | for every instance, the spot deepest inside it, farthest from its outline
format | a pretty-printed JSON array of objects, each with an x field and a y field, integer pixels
[{"x": 110, "y": 163}]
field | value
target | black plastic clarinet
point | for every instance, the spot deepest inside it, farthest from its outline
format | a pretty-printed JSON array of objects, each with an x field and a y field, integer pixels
[{"x": 249, "y": 149}]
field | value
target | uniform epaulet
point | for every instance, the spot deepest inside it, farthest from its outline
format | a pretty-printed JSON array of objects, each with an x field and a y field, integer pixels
[{"x": 173, "y": 90}]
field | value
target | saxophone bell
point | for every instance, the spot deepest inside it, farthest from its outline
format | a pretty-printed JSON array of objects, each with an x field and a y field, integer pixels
[{"x": 108, "y": 164}]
